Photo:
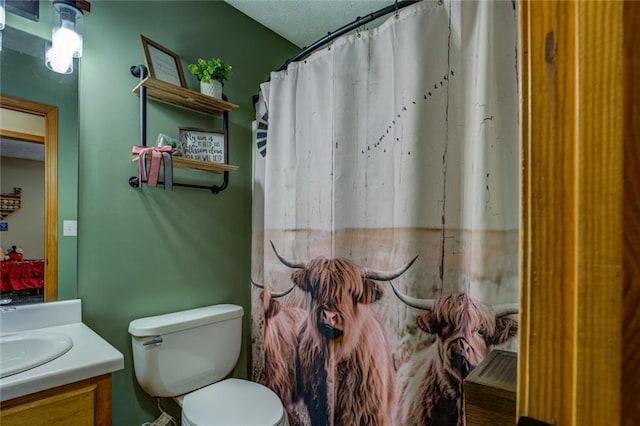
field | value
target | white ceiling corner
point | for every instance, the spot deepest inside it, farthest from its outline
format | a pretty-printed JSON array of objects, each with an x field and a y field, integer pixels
[{"x": 303, "y": 22}]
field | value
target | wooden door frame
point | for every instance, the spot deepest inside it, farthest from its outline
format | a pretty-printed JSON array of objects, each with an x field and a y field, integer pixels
[
  {"x": 50, "y": 115},
  {"x": 580, "y": 212}
]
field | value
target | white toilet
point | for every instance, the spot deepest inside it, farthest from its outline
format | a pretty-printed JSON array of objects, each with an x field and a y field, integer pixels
[{"x": 187, "y": 355}]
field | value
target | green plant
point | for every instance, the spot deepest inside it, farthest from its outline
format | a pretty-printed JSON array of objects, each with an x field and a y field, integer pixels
[{"x": 213, "y": 69}]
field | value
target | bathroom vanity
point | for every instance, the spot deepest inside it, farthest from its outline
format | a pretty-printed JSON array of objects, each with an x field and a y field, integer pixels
[
  {"x": 72, "y": 387},
  {"x": 87, "y": 402}
]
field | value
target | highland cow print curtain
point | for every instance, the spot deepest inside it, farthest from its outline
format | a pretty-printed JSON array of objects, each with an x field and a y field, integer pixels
[{"x": 384, "y": 259}]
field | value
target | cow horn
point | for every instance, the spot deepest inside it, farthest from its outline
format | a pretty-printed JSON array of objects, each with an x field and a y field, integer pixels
[
  {"x": 424, "y": 304},
  {"x": 282, "y": 293},
  {"x": 388, "y": 275},
  {"x": 299, "y": 265},
  {"x": 273, "y": 295},
  {"x": 506, "y": 309}
]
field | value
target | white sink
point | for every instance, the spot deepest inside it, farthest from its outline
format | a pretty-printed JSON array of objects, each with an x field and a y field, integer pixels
[{"x": 25, "y": 350}]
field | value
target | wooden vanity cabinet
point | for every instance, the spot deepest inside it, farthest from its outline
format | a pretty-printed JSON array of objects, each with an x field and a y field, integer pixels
[{"x": 87, "y": 402}]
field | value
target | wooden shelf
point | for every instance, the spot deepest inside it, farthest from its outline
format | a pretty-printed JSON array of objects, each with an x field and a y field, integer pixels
[
  {"x": 10, "y": 203},
  {"x": 203, "y": 166},
  {"x": 170, "y": 93},
  {"x": 194, "y": 101}
]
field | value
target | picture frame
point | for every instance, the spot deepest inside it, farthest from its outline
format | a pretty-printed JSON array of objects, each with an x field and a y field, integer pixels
[
  {"x": 203, "y": 144},
  {"x": 29, "y": 9},
  {"x": 162, "y": 63}
]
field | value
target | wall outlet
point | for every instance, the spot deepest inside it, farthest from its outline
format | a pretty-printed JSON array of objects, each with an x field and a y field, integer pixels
[{"x": 70, "y": 228}]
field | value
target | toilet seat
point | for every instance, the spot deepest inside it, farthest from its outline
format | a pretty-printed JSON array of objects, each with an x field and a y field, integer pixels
[{"x": 233, "y": 402}]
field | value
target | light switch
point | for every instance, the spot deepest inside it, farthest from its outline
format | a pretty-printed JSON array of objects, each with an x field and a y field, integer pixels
[{"x": 70, "y": 228}]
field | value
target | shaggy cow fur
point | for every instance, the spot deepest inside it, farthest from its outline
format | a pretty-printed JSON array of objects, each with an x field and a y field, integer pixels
[
  {"x": 429, "y": 386},
  {"x": 347, "y": 382},
  {"x": 345, "y": 371},
  {"x": 282, "y": 326}
]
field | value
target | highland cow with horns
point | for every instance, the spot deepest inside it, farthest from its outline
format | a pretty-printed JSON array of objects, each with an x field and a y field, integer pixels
[
  {"x": 429, "y": 386},
  {"x": 281, "y": 330},
  {"x": 345, "y": 370}
]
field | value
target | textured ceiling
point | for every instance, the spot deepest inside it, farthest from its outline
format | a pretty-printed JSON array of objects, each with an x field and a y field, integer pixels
[{"x": 303, "y": 22}]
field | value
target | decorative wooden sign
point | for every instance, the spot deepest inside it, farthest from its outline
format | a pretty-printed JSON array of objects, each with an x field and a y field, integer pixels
[{"x": 203, "y": 145}]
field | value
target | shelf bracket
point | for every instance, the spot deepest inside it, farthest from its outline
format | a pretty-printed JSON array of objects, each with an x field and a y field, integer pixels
[
  {"x": 218, "y": 189},
  {"x": 225, "y": 127},
  {"x": 133, "y": 182},
  {"x": 141, "y": 72}
]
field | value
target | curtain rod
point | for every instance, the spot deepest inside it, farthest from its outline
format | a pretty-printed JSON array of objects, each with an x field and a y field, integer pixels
[
  {"x": 345, "y": 29},
  {"x": 359, "y": 21}
]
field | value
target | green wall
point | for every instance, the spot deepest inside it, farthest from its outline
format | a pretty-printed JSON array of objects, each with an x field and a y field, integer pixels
[{"x": 148, "y": 251}]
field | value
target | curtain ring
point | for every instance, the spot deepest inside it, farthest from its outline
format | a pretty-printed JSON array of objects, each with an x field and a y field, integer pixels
[
  {"x": 359, "y": 27},
  {"x": 396, "y": 1}
]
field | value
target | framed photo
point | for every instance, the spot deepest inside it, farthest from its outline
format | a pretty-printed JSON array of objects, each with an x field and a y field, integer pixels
[
  {"x": 203, "y": 144},
  {"x": 29, "y": 9},
  {"x": 162, "y": 63}
]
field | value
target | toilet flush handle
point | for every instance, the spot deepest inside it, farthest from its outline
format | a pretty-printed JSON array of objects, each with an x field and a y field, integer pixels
[{"x": 155, "y": 341}]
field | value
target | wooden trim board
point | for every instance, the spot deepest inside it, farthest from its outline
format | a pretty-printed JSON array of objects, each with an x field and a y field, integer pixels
[{"x": 580, "y": 212}]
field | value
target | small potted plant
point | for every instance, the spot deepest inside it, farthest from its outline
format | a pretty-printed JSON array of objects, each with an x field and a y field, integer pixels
[{"x": 212, "y": 74}]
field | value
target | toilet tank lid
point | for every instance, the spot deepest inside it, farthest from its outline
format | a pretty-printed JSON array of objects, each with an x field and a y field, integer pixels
[{"x": 176, "y": 321}]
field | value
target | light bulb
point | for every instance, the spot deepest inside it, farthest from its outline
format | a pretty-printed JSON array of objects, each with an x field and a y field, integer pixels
[
  {"x": 59, "y": 60},
  {"x": 2, "y": 14},
  {"x": 66, "y": 36},
  {"x": 66, "y": 40},
  {"x": 67, "y": 28}
]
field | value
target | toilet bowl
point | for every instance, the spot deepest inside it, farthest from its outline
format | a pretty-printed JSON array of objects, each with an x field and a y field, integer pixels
[
  {"x": 187, "y": 356},
  {"x": 233, "y": 402}
]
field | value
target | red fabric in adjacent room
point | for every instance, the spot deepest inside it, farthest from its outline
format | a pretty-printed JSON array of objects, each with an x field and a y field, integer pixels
[{"x": 21, "y": 275}]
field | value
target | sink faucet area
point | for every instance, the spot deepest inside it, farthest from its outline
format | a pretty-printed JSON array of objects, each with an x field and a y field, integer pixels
[{"x": 46, "y": 345}]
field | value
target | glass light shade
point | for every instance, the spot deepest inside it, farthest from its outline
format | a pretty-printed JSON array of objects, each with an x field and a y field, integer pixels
[
  {"x": 66, "y": 35},
  {"x": 2, "y": 14},
  {"x": 59, "y": 60}
]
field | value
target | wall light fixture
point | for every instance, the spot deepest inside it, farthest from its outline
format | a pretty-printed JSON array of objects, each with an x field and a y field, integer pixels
[
  {"x": 66, "y": 34},
  {"x": 2, "y": 18},
  {"x": 2, "y": 14}
]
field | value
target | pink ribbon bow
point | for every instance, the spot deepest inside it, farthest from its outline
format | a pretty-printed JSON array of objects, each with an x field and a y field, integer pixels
[{"x": 154, "y": 168}]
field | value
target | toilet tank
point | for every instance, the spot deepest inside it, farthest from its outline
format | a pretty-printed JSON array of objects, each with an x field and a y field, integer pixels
[{"x": 179, "y": 352}]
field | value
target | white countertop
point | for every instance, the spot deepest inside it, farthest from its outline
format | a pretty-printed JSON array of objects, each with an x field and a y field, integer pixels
[{"x": 90, "y": 355}]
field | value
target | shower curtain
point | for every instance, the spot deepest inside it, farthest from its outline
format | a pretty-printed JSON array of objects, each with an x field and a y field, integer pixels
[{"x": 385, "y": 216}]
